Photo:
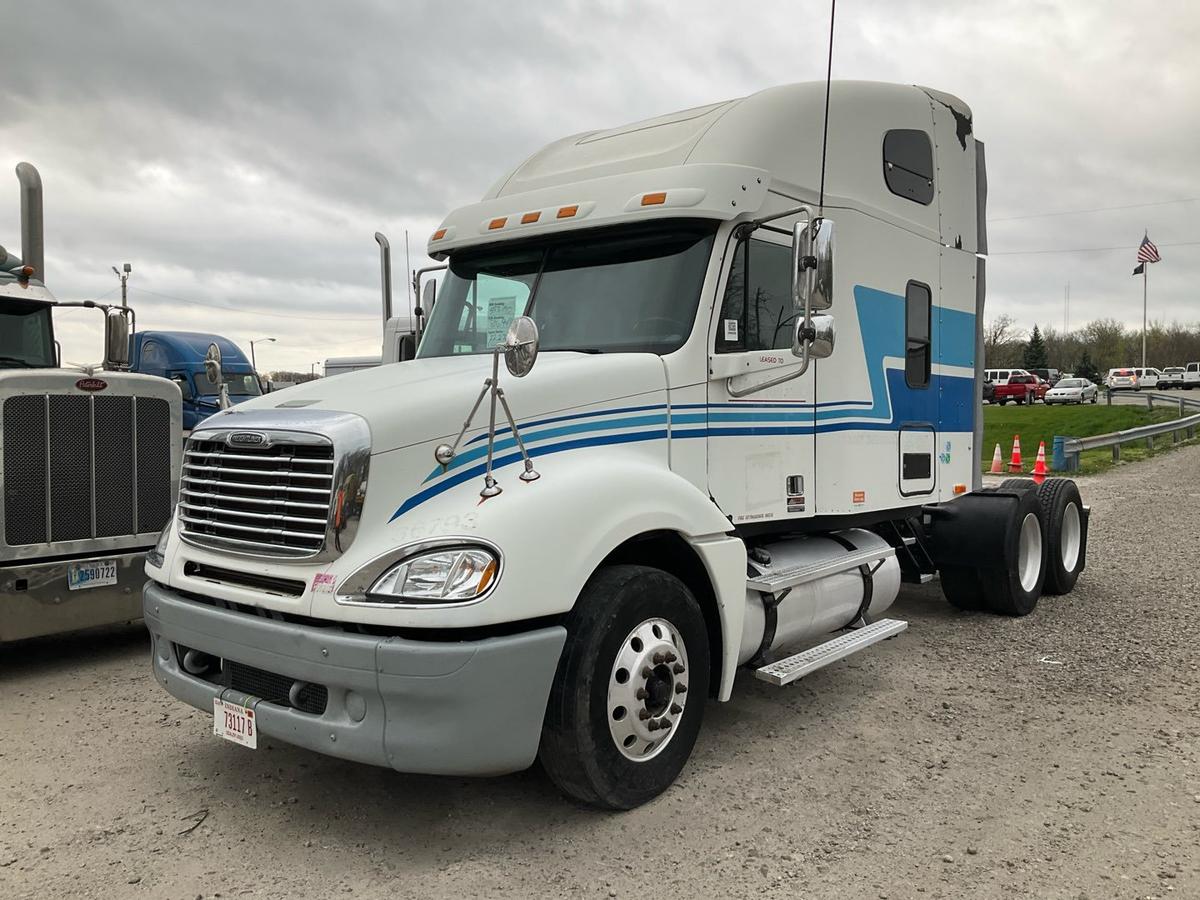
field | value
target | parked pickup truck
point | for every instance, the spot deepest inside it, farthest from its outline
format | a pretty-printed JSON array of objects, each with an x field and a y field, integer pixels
[
  {"x": 1171, "y": 377},
  {"x": 1021, "y": 389}
]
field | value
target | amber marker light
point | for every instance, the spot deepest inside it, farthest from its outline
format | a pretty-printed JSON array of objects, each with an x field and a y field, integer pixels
[
  {"x": 565, "y": 212},
  {"x": 530, "y": 218},
  {"x": 656, "y": 199},
  {"x": 497, "y": 223}
]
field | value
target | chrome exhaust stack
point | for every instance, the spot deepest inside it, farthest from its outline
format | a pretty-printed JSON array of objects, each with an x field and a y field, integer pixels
[{"x": 32, "y": 242}]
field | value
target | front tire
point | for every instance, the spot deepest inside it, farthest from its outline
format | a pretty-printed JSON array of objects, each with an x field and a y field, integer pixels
[{"x": 628, "y": 697}]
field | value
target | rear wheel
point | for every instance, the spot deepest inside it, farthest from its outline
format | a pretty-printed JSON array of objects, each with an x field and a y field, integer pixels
[
  {"x": 1066, "y": 534},
  {"x": 628, "y": 697},
  {"x": 1013, "y": 588}
]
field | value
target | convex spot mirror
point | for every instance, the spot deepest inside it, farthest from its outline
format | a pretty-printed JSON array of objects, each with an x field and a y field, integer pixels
[
  {"x": 212, "y": 364},
  {"x": 428, "y": 296},
  {"x": 521, "y": 346},
  {"x": 116, "y": 339},
  {"x": 824, "y": 337},
  {"x": 812, "y": 256}
]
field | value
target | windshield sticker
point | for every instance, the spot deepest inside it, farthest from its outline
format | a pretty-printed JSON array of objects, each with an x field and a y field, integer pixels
[
  {"x": 501, "y": 312},
  {"x": 731, "y": 329}
]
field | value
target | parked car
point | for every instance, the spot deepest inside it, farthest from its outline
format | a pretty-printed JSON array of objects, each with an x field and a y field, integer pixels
[
  {"x": 989, "y": 392},
  {"x": 1049, "y": 375},
  {"x": 1171, "y": 377},
  {"x": 1001, "y": 376},
  {"x": 1191, "y": 375},
  {"x": 1147, "y": 378},
  {"x": 1021, "y": 389},
  {"x": 1072, "y": 390},
  {"x": 1122, "y": 380}
]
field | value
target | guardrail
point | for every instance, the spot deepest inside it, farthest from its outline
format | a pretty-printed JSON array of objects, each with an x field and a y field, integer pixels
[
  {"x": 1153, "y": 398},
  {"x": 1072, "y": 447}
]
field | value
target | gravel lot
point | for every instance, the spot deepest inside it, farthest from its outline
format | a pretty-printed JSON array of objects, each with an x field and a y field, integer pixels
[{"x": 1052, "y": 756}]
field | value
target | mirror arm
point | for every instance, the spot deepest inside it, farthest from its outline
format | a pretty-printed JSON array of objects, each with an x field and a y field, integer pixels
[{"x": 762, "y": 385}]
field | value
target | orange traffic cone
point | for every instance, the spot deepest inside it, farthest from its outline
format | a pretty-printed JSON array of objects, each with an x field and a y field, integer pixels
[
  {"x": 997, "y": 462},
  {"x": 1039, "y": 465},
  {"x": 1014, "y": 464}
]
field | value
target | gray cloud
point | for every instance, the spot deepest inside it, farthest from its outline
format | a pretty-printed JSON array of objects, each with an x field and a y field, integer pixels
[{"x": 242, "y": 154}]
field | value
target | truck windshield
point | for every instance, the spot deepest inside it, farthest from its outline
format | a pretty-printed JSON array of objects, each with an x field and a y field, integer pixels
[
  {"x": 239, "y": 385},
  {"x": 606, "y": 292},
  {"x": 26, "y": 335}
]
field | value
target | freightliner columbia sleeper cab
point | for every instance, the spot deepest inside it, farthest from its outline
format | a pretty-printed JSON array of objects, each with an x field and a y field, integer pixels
[{"x": 725, "y": 457}]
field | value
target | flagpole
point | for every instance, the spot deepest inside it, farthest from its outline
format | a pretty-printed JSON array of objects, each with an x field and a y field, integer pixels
[{"x": 1145, "y": 279}]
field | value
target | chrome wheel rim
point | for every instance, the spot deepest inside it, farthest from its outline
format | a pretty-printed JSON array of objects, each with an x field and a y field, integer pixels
[
  {"x": 1029, "y": 553},
  {"x": 647, "y": 690},
  {"x": 1070, "y": 537}
]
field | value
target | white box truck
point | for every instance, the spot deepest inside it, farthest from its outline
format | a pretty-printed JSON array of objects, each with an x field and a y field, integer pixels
[
  {"x": 709, "y": 455},
  {"x": 89, "y": 457}
]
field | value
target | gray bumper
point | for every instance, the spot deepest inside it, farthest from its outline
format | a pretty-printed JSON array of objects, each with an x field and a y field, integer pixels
[
  {"x": 35, "y": 600},
  {"x": 447, "y": 708}
]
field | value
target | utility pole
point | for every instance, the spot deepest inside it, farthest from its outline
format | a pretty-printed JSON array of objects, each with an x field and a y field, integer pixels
[{"x": 124, "y": 276}]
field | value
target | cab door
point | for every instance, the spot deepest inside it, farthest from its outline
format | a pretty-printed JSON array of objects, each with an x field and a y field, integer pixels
[{"x": 761, "y": 445}]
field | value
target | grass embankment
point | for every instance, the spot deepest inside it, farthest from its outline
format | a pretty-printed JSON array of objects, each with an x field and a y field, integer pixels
[{"x": 1041, "y": 423}]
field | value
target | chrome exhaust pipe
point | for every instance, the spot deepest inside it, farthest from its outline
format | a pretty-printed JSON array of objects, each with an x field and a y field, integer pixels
[
  {"x": 385, "y": 266},
  {"x": 32, "y": 244}
]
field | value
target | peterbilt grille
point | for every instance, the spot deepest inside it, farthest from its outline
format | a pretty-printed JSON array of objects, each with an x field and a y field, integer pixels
[
  {"x": 271, "y": 501},
  {"x": 70, "y": 467}
]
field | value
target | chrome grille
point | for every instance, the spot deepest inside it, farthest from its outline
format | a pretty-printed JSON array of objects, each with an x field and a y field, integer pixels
[
  {"x": 70, "y": 471},
  {"x": 272, "y": 500}
]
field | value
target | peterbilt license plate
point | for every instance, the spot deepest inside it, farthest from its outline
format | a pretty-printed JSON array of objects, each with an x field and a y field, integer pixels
[
  {"x": 90, "y": 574},
  {"x": 235, "y": 723}
]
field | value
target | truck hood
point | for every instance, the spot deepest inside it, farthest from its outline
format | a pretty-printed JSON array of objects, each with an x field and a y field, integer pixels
[{"x": 424, "y": 400}]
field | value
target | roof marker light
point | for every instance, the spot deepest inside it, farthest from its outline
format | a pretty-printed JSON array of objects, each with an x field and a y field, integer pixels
[
  {"x": 530, "y": 218},
  {"x": 439, "y": 234},
  {"x": 656, "y": 199},
  {"x": 565, "y": 212},
  {"x": 497, "y": 223}
]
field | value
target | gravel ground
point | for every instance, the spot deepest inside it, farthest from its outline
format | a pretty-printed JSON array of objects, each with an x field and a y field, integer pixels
[{"x": 1052, "y": 756}]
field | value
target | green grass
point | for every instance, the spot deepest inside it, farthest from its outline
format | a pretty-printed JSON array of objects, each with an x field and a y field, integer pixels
[{"x": 1041, "y": 423}]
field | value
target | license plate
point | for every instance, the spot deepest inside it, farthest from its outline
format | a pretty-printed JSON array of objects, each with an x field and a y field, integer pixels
[
  {"x": 235, "y": 723},
  {"x": 90, "y": 574}
]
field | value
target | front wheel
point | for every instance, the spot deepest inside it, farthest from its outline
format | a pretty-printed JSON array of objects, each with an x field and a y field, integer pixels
[
  {"x": 628, "y": 697},
  {"x": 1095, "y": 397}
]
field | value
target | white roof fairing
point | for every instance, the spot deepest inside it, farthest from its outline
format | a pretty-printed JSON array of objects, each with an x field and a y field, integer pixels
[{"x": 726, "y": 157}]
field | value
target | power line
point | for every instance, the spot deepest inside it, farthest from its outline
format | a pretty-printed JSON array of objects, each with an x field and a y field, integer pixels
[
  {"x": 251, "y": 312},
  {"x": 1073, "y": 212},
  {"x": 1086, "y": 249}
]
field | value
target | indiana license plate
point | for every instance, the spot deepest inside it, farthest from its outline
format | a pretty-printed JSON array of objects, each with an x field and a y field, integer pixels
[
  {"x": 235, "y": 723},
  {"x": 90, "y": 574}
]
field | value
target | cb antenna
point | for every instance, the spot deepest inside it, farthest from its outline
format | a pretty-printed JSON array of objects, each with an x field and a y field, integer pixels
[
  {"x": 408, "y": 266},
  {"x": 825, "y": 130}
]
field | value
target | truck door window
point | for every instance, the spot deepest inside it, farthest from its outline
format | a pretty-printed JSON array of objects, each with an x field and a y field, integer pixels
[
  {"x": 757, "y": 311},
  {"x": 26, "y": 337},
  {"x": 918, "y": 308}
]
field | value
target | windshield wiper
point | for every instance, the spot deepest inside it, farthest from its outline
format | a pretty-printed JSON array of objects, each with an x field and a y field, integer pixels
[{"x": 23, "y": 362}]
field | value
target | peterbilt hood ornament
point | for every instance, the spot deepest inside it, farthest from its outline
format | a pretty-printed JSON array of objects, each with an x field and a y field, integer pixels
[{"x": 520, "y": 349}]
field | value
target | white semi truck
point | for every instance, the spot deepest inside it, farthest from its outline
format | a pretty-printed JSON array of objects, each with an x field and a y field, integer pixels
[
  {"x": 725, "y": 459},
  {"x": 89, "y": 457}
]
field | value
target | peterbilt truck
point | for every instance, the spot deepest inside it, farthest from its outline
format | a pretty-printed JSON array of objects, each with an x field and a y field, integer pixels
[
  {"x": 653, "y": 438},
  {"x": 89, "y": 457}
]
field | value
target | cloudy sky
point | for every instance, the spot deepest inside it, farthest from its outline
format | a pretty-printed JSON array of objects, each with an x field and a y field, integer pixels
[{"x": 242, "y": 154}]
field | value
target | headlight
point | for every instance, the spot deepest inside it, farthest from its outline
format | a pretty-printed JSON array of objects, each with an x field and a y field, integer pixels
[
  {"x": 440, "y": 576},
  {"x": 157, "y": 556}
]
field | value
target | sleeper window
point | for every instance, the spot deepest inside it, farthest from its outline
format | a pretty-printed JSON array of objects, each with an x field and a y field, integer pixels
[
  {"x": 757, "y": 312},
  {"x": 918, "y": 304},
  {"x": 908, "y": 164}
]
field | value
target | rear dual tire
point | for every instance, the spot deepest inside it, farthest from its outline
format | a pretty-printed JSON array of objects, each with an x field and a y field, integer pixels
[{"x": 1065, "y": 526}]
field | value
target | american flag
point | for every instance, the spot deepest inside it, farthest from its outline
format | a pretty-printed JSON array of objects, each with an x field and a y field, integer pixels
[{"x": 1147, "y": 252}]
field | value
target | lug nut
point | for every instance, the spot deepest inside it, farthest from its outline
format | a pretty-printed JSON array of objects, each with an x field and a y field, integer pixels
[
  {"x": 642, "y": 693},
  {"x": 643, "y": 714},
  {"x": 681, "y": 688},
  {"x": 665, "y": 724},
  {"x": 677, "y": 668},
  {"x": 659, "y": 658},
  {"x": 652, "y": 725},
  {"x": 647, "y": 671},
  {"x": 676, "y": 709},
  {"x": 671, "y": 657}
]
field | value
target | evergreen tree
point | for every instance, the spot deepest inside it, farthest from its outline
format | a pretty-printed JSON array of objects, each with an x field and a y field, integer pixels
[
  {"x": 1035, "y": 351},
  {"x": 1087, "y": 368}
]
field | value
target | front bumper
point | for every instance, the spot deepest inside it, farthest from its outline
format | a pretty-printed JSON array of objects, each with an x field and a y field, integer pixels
[
  {"x": 35, "y": 600},
  {"x": 445, "y": 708}
]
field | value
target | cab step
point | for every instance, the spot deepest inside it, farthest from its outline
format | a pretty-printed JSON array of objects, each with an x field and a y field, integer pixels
[
  {"x": 787, "y": 670},
  {"x": 774, "y": 581}
]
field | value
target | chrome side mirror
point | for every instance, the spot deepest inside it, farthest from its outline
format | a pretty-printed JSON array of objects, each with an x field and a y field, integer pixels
[
  {"x": 521, "y": 346},
  {"x": 822, "y": 274},
  {"x": 428, "y": 296},
  {"x": 116, "y": 339},
  {"x": 212, "y": 364},
  {"x": 824, "y": 336}
]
